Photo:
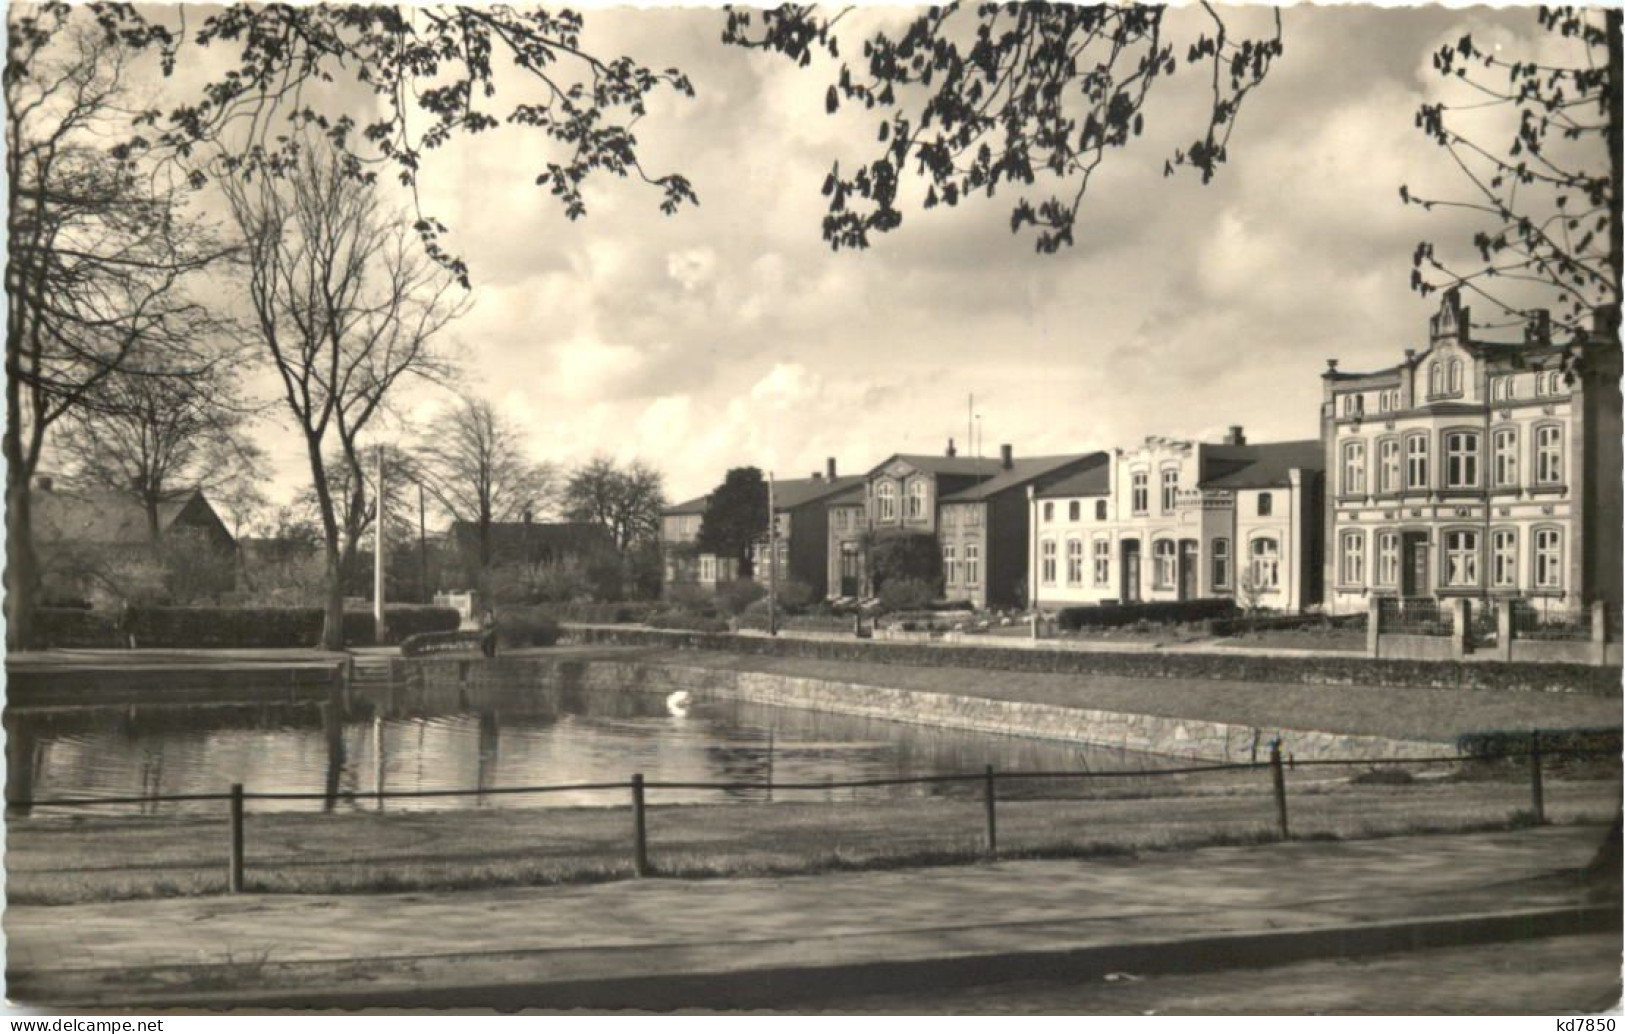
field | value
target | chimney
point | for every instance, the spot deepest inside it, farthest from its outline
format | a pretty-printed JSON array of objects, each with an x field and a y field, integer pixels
[
  {"x": 952, "y": 452},
  {"x": 1537, "y": 330},
  {"x": 818, "y": 475},
  {"x": 1235, "y": 437},
  {"x": 527, "y": 515},
  {"x": 42, "y": 482},
  {"x": 829, "y": 468},
  {"x": 1006, "y": 457}
]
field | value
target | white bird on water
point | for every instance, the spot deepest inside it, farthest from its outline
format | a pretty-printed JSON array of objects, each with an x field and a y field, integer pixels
[{"x": 678, "y": 702}]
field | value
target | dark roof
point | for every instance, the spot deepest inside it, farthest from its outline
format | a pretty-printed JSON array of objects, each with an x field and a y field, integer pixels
[
  {"x": 1096, "y": 480},
  {"x": 934, "y": 464},
  {"x": 101, "y": 516},
  {"x": 787, "y": 495},
  {"x": 1258, "y": 466},
  {"x": 524, "y": 537},
  {"x": 1021, "y": 472},
  {"x": 852, "y": 495},
  {"x": 693, "y": 506}
]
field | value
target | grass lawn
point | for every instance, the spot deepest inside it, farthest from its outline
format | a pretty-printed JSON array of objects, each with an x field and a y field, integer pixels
[
  {"x": 1402, "y": 713},
  {"x": 54, "y": 860}
]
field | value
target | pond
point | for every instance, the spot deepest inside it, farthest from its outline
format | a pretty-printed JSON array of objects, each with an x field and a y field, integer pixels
[{"x": 528, "y": 738}]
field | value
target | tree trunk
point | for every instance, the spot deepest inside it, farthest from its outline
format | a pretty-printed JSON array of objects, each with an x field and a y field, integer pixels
[
  {"x": 22, "y": 564},
  {"x": 333, "y": 618},
  {"x": 1613, "y": 21}
]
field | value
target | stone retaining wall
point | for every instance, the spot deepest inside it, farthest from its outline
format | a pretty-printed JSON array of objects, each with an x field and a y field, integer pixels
[{"x": 1173, "y": 737}]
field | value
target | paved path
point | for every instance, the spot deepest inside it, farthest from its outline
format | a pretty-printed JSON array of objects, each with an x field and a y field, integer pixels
[{"x": 666, "y": 927}]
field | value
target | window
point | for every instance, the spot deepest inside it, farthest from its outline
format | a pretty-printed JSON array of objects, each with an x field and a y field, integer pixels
[
  {"x": 1354, "y": 468},
  {"x": 1461, "y": 459},
  {"x": 1435, "y": 380},
  {"x": 1353, "y": 405},
  {"x": 1100, "y": 509},
  {"x": 1548, "y": 559},
  {"x": 1387, "y": 558},
  {"x": 1549, "y": 454},
  {"x": 973, "y": 565},
  {"x": 1353, "y": 570},
  {"x": 1266, "y": 504},
  {"x": 1170, "y": 490},
  {"x": 1074, "y": 561},
  {"x": 1165, "y": 562},
  {"x": 1506, "y": 457},
  {"x": 1455, "y": 376},
  {"x": 886, "y": 501},
  {"x": 1504, "y": 559},
  {"x": 950, "y": 567},
  {"x": 973, "y": 516},
  {"x": 1046, "y": 550},
  {"x": 1103, "y": 561},
  {"x": 1461, "y": 558},
  {"x": 916, "y": 500},
  {"x": 1416, "y": 461},
  {"x": 950, "y": 516},
  {"x": 708, "y": 567},
  {"x": 1049, "y": 512},
  {"x": 1074, "y": 510},
  {"x": 1265, "y": 564},
  {"x": 1142, "y": 492},
  {"x": 1221, "y": 563},
  {"x": 1388, "y": 463}
]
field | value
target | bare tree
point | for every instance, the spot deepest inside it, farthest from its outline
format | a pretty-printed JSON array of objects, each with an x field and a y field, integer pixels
[
  {"x": 345, "y": 305},
  {"x": 98, "y": 253},
  {"x": 150, "y": 430},
  {"x": 1549, "y": 197},
  {"x": 626, "y": 502},
  {"x": 474, "y": 464}
]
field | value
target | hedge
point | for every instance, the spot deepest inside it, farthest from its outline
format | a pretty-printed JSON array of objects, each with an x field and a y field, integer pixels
[
  {"x": 1338, "y": 670},
  {"x": 1278, "y": 622},
  {"x": 226, "y": 627},
  {"x": 1167, "y": 612}
]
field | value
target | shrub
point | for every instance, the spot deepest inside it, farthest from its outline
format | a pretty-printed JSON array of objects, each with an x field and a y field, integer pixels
[
  {"x": 911, "y": 555},
  {"x": 1071, "y": 619},
  {"x": 795, "y": 596},
  {"x": 733, "y": 597},
  {"x": 691, "y": 598},
  {"x": 425, "y": 643},
  {"x": 519, "y": 627},
  {"x": 906, "y": 594},
  {"x": 685, "y": 621},
  {"x": 228, "y": 627}
]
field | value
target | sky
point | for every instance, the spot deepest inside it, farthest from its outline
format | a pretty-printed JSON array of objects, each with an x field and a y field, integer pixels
[{"x": 730, "y": 334}]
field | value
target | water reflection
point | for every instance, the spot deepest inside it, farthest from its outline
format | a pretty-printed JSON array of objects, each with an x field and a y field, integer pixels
[{"x": 481, "y": 739}]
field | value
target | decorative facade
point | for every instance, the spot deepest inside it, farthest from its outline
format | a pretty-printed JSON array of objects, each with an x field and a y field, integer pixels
[
  {"x": 1175, "y": 520},
  {"x": 1476, "y": 468}
]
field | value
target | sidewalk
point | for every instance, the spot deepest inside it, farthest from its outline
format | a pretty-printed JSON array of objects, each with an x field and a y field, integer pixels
[{"x": 663, "y": 943}]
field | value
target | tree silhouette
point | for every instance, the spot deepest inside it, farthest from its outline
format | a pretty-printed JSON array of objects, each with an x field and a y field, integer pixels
[
  {"x": 1550, "y": 196},
  {"x": 975, "y": 98}
]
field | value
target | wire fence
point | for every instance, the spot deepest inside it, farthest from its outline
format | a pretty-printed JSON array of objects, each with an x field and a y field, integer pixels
[
  {"x": 1549, "y": 619},
  {"x": 811, "y": 825},
  {"x": 1414, "y": 615}
]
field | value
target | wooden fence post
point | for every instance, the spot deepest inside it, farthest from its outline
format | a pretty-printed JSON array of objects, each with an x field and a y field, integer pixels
[
  {"x": 1537, "y": 791},
  {"x": 640, "y": 841},
  {"x": 992, "y": 821},
  {"x": 235, "y": 880},
  {"x": 1278, "y": 775}
]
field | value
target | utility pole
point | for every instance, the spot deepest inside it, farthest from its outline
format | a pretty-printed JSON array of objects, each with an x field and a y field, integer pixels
[
  {"x": 380, "y": 628},
  {"x": 772, "y": 561}
]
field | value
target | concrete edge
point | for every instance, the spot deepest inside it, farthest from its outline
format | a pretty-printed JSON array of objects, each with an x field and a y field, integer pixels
[{"x": 782, "y": 987}]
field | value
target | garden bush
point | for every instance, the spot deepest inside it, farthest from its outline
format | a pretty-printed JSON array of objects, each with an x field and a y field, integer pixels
[
  {"x": 519, "y": 627},
  {"x": 906, "y": 594},
  {"x": 687, "y": 621},
  {"x": 733, "y": 597},
  {"x": 1168, "y": 612}
]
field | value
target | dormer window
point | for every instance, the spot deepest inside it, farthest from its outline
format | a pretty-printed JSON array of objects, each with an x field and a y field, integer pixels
[
  {"x": 1455, "y": 376},
  {"x": 1435, "y": 380}
]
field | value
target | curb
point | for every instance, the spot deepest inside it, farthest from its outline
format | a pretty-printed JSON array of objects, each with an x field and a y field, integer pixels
[{"x": 786, "y": 987}]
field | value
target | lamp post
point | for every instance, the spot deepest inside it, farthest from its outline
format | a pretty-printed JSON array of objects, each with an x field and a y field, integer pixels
[{"x": 380, "y": 630}]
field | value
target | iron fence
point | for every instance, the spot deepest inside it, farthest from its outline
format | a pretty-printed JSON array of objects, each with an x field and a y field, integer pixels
[
  {"x": 1414, "y": 615},
  {"x": 1550, "y": 619},
  {"x": 989, "y": 812}
]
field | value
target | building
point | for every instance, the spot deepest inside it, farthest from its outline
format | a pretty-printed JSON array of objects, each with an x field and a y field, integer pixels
[
  {"x": 103, "y": 547},
  {"x": 985, "y": 530},
  {"x": 1476, "y": 468},
  {"x": 801, "y": 515},
  {"x": 1174, "y": 520},
  {"x": 899, "y": 496}
]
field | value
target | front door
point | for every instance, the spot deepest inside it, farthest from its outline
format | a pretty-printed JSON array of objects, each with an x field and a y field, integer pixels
[
  {"x": 1414, "y": 569},
  {"x": 850, "y": 572},
  {"x": 1131, "y": 571},
  {"x": 1187, "y": 569}
]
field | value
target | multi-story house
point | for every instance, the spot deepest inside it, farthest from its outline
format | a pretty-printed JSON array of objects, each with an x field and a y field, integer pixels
[
  {"x": 1174, "y": 520},
  {"x": 799, "y": 506},
  {"x": 1476, "y": 468},
  {"x": 984, "y": 530},
  {"x": 899, "y": 496}
]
